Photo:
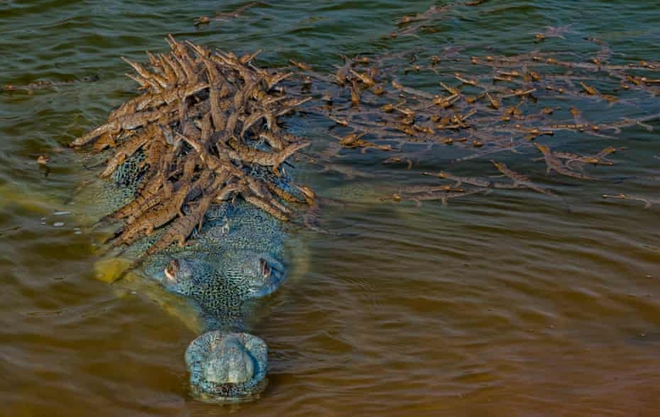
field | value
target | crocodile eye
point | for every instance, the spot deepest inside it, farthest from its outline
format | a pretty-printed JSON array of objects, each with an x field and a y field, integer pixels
[
  {"x": 265, "y": 268},
  {"x": 171, "y": 269}
]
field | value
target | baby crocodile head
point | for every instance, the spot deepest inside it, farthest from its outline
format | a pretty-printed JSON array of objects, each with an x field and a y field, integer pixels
[{"x": 227, "y": 367}]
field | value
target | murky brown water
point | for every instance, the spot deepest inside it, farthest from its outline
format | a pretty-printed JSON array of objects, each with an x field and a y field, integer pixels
[{"x": 510, "y": 304}]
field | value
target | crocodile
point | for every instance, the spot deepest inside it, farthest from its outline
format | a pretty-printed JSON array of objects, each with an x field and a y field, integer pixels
[
  {"x": 235, "y": 259},
  {"x": 205, "y": 211}
]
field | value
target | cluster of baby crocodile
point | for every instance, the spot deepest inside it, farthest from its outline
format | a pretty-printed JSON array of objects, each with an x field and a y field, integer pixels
[
  {"x": 206, "y": 122},
  {"x": 484, "y": 104},
  {"x": 482, "y": 107}
]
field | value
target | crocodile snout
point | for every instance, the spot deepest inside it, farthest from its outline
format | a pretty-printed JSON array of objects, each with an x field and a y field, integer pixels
[{"x": 227, "y": 367}]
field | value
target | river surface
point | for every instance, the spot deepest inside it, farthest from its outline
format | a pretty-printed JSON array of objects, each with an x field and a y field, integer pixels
[{"x": 506, "y": 304}]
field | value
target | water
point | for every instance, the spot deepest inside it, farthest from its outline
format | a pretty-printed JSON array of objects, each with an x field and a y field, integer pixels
[{"x": 504, "y": 304}]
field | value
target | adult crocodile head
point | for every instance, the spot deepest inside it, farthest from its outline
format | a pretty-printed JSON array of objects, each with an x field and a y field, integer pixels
[{"x": 236, "y": 259}]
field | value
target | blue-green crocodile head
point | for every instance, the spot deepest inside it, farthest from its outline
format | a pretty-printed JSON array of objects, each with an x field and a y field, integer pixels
[{"x": 237, "y": 258}]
